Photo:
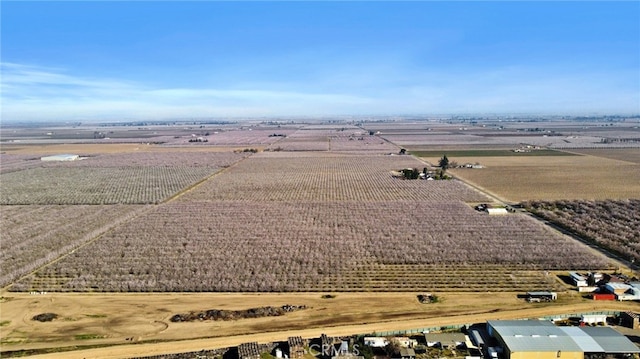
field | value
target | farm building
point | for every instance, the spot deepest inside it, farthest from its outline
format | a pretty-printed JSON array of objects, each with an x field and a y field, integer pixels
[
  {"x": 593, "y": 318},
  {"x": 542, "y": 296},
  {"x": 623, "y": 291},
  {"x": 406, "y": 342},
  {"x": 633, "y": 293},
  {"x": 376, "y": 342},
  {"x": 445, "y": 340},
  {"x": 524, "y": 339},
  {"x": 407, "y": 353},
  {"x": 630, "y": 320},
  {"x": 603, "y": 296},
  {"x": 578, "y": 280},
  {"x": 497, "y": 211},
  {"x": 63, "y": 157}
]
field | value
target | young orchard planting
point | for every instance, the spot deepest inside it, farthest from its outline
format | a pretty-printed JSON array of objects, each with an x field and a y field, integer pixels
[
  {"x": 34, "y": 235},
  {"x": 614, "y": 225},
  {"x": 316, "y": 246}
]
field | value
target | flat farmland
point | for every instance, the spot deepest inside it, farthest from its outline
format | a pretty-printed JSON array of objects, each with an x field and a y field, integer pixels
[
  {"x": 622, "y": 154},
  {"x": 519, "y": 179},
  {"x": 317, "y": 246},
  {"x": 317, "y": 211},
  {"x": 614, "y": 225},
  {"x": 306, "y": 143},
  {"x": 451, "y": 153},
  {"x": 275, "y": 176},
  {"x": 112, "y": 317},
  {"x": 26, "y": 157},
  {"x": 35, "y": 235},
  {"x": 133, "y": 185},
  {"x": 107, "y": 178}
]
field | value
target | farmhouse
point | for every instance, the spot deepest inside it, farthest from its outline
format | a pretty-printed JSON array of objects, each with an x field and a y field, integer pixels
[
  {"x": 524, "y": 339},
  {"x": 62, "y": 157}
]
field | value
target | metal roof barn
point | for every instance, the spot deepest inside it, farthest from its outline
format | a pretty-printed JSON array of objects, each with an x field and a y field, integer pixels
[{"x": 532, "y": 336}]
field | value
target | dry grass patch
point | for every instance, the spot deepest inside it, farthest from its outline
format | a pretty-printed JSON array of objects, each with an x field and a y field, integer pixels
[
  {"x": 622, "y": 154},
  {"x": 144, "y": 317},
  {"x": 550, "y": 178}
]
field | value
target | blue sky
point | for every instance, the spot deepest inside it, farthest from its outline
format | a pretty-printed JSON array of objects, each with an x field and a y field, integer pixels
[{"x": 158, "y": 60}]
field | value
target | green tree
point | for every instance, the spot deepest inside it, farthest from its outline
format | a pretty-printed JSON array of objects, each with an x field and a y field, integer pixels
[
  {"x": 444, "y": 163},
  {"x": 393, "y": 347}
]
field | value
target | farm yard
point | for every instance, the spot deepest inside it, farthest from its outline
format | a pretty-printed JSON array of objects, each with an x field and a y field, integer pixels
[
  {"x": 521, "y": 178},
  {"x": 272, "y": 210}
]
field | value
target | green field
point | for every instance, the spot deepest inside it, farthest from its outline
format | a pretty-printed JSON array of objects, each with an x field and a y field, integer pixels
[{"x": 489, "y": 153}]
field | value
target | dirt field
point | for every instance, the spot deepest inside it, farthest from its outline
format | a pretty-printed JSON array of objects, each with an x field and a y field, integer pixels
[
  {"x": 145, "y": 317},
  {"x": 551, "y": 178}
]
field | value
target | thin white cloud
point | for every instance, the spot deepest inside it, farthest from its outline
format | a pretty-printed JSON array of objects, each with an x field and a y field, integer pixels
[{"x": 39, "y": 93}]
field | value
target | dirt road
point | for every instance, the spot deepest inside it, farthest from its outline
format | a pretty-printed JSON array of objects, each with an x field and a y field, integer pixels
[{"x": 144, "y": 317}]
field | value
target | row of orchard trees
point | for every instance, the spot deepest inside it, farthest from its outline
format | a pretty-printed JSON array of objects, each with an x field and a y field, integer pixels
[
  {"x": 312, "y": 245},
  {"x": 613, "y": 224}
]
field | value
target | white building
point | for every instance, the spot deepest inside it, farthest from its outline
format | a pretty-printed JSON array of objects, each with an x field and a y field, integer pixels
[
  {"x": 62, "y": 157},
  {"x": 578, "y": 280},
  {"x": 376, "y": 342},
  {"x": 593, "y": 318}
]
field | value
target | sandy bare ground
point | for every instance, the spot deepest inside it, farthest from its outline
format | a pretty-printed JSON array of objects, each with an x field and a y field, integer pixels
[{"x": 145, "y": 317}]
